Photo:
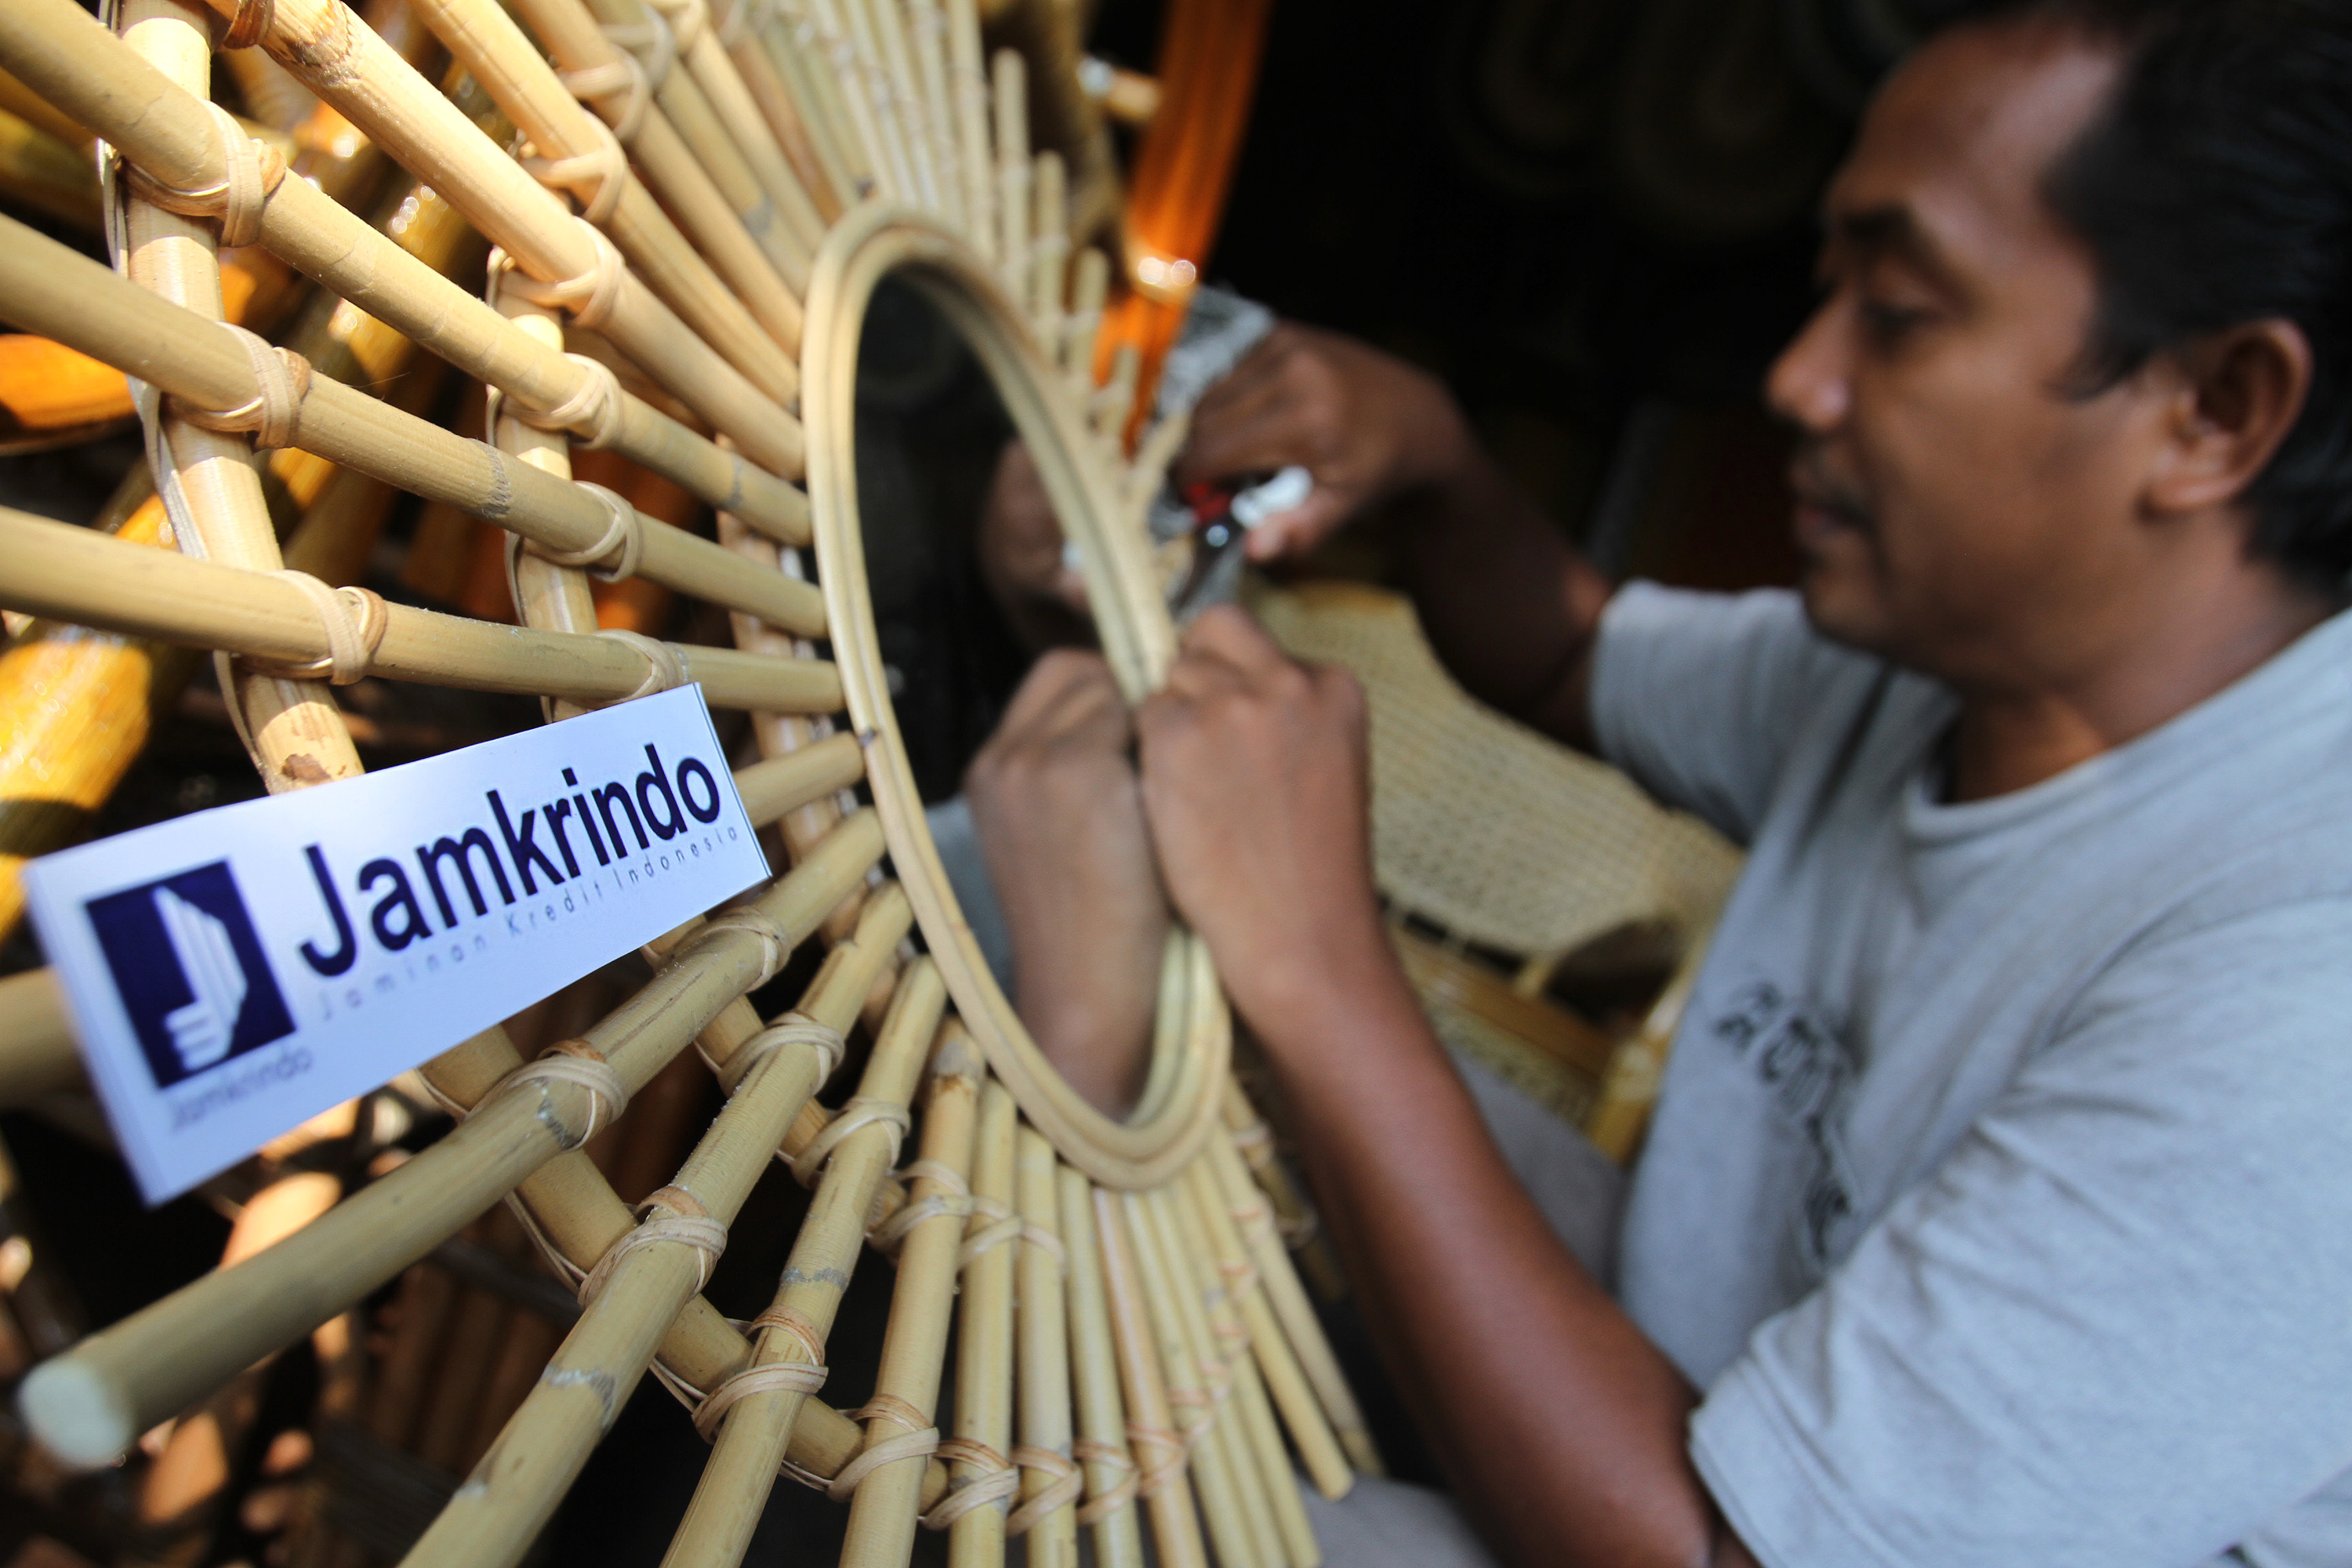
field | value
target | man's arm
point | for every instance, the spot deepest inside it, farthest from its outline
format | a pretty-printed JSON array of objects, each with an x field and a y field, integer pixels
[
  {"x": 1509, "y": 606},
  {"x": 1560, "y": 1424}
]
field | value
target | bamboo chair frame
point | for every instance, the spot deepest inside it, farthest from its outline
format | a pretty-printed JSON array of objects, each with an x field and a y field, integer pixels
[{"x": 1131, "y": 1336}]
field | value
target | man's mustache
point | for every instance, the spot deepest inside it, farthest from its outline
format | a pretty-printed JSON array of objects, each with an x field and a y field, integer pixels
[{"x": 1817, "y": 484}]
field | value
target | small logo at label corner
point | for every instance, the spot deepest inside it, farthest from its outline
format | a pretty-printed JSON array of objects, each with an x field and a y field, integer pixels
[{"x": 190, "y": 970}]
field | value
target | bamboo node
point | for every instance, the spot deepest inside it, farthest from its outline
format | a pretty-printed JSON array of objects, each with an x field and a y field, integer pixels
[
  {"x": 775, "y": 1377},
  {"x": 665, "y": 671},
  {"x": 671, "y": 1216},
  {"x": 281, "y": 381},
  {"x": 994, "y": 1481},
  {"x": 785, "y": 1320},
  {"x": 589, "y": 297},
  {"x": 594, "y": 178},
  {"x": 354, "y": 620},
  {"x": 1003, "y": 1226},
  {"x": 791, "y": 1029},
  {"x": 251, "y": 170},
  {"x": 1110, "y": 1499},
  {"x": 857, "y": 1114},
  {"x": 1065, "y": 1487},
  {"x": 581, "y": 1064},
  {"x": 617, "y": 552}
]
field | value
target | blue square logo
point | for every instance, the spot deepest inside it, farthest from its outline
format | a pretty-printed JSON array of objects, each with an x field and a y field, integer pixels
[{"x": 190, "y": 971}]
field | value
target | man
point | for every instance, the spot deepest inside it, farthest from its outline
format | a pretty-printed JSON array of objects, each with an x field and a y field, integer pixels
[{"x": 1997, "y": 1207}]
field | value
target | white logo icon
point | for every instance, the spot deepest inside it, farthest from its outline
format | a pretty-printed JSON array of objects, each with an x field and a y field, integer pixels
[{"x": 201, "y": 1030}]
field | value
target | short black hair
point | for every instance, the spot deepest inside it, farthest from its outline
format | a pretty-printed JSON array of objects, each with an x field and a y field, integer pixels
[{"x": 2214, "y": 188}]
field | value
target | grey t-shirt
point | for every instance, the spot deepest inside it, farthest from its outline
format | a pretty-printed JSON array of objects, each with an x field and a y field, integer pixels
[{"x": 1999, "y": 1193}]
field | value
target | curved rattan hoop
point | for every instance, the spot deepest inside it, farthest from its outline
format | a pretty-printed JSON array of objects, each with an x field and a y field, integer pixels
[{"x": 866, "y": 246}]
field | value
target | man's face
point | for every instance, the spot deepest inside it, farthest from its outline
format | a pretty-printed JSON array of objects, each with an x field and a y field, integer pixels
[{"x": 1957, "y": 509}]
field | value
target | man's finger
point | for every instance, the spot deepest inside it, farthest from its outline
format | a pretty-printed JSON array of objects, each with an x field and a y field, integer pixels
[{"x": 1227, "y": 633}]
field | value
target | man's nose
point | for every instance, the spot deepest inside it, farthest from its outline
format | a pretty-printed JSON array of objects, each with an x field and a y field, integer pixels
[{"x": 1809, "y": 384}]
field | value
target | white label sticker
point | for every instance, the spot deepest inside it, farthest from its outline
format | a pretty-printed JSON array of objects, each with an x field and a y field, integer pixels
[{"x": 236, "y": 972}]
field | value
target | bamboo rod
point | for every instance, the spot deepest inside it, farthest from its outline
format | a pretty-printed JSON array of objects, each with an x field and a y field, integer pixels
[
  {"x": 1162, "y": 1462},
  {"x": 1049, "y": 254},
  {"x": 515, "y": 1489},
  {"x": 1294, "y": 1215},
  {"x": 712, "y": 64},
  {"x": 42, "y": 282},
  {"x": 879, "y": 24},
  {"x": 1318, "y": 1447},
  {"x": 86, "y": 1405},
  {"x": 983, "y": 1392},
  {"x": 692, "y": 184},
  {"x": 1257, "y": 1441},
  {"x": 168, "y": 132},
  {"x": 789, "y": 45},
  {"x": 292, "y": 728},
  {"x": 1218, "y": 1428},
  {"x": 1291, "y": 1307},
  {"x": 969, "y": 78},
  {"x": 778, "y": 108},
  {"x": 1083, "y": 325},
  {"x": 42, "y": 171},
  {"x": 490, "y": 45},
  {"x": 1010, "y": 80},
  {"x": 884, "y": 1506},
  {"x": 579, "y": 1216},
  {"x": 779, "y": 784},
  {"x": 1051, "y": 1540},
  {"x": 91, "y": 579},
  {"x": 750, "y": 1440},
  {"x": 927, "y": 21},
  {"x": 1102, "y": 1414},
  {"x": 351, "y": 69},
  {"x": 36, "y": 1038},
  {"x": 865, "y": 89}
]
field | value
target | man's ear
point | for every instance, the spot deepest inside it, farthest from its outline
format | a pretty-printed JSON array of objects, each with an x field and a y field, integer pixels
[{"x": 2240, "y": 392}]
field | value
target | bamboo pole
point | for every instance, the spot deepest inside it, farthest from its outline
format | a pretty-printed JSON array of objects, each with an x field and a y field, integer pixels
[
  {"x": 865, "y": 88},
  {"x": 1215, "y": 1425},
  {"x": 36, "y": 1038},
  {"x": 1049, "y": 252},
  {"x": 885, "y": 1500},
  {"x": 927, "y": 22},
  {"x": 757, "y": 1422},
  {"x": 86, "y": 1405},
  {"x": 42, "y": 171},
  {"x": 692, "y": 184},
  {"x": 969, "y": 79},
  {"x": 883, "y": 38},
  {"x": 711, "y": 66},
  {"x": 978, "y": 1469},
  {"x": 743, "y": 32},
  {"x": 293, "y": 727},
  {"x": 1102, "y": 1445},
  {"x": 351, "y": 69},
  {"x": 633, "y": 1297},
  {"x": 168, "y": 132},
  {"x": 1318, "y": 1447},
  {"x": 1051, "y": 1483},
  {"x": 1083, "y": 325},
  {"x": 1293, "y": 1215},
  {"x": 42, "y": 282},
  {"x": 788, "y": 47},
  {"x": 1162, "y": 1461},
  {"x": 1257, "y": 1442},
  {"x": 1010, "y": 78},
  {"x": 1287, "y": 1298},
  {"x": 70, "y": 573}
]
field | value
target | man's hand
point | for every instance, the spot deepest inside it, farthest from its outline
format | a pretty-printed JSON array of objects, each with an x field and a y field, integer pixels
[
  {"x": 1061, "y": 825},
  {"x": 1256, "y": 780},
  {"x": 1365, "y": 424},
  {"x": 1043, "y": 596}
]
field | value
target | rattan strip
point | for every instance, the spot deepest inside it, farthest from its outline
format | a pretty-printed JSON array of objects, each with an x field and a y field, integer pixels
[{"x": 89, "y": 1403}]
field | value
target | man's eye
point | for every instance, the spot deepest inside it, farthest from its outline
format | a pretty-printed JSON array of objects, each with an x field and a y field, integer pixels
[{"x": 1886, "y": 321}]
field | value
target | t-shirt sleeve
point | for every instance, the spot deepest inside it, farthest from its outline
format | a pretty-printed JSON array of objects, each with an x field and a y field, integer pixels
[
  {"x": 2111, "y": 1328},
  {"x": 1701, "y": 697}
]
